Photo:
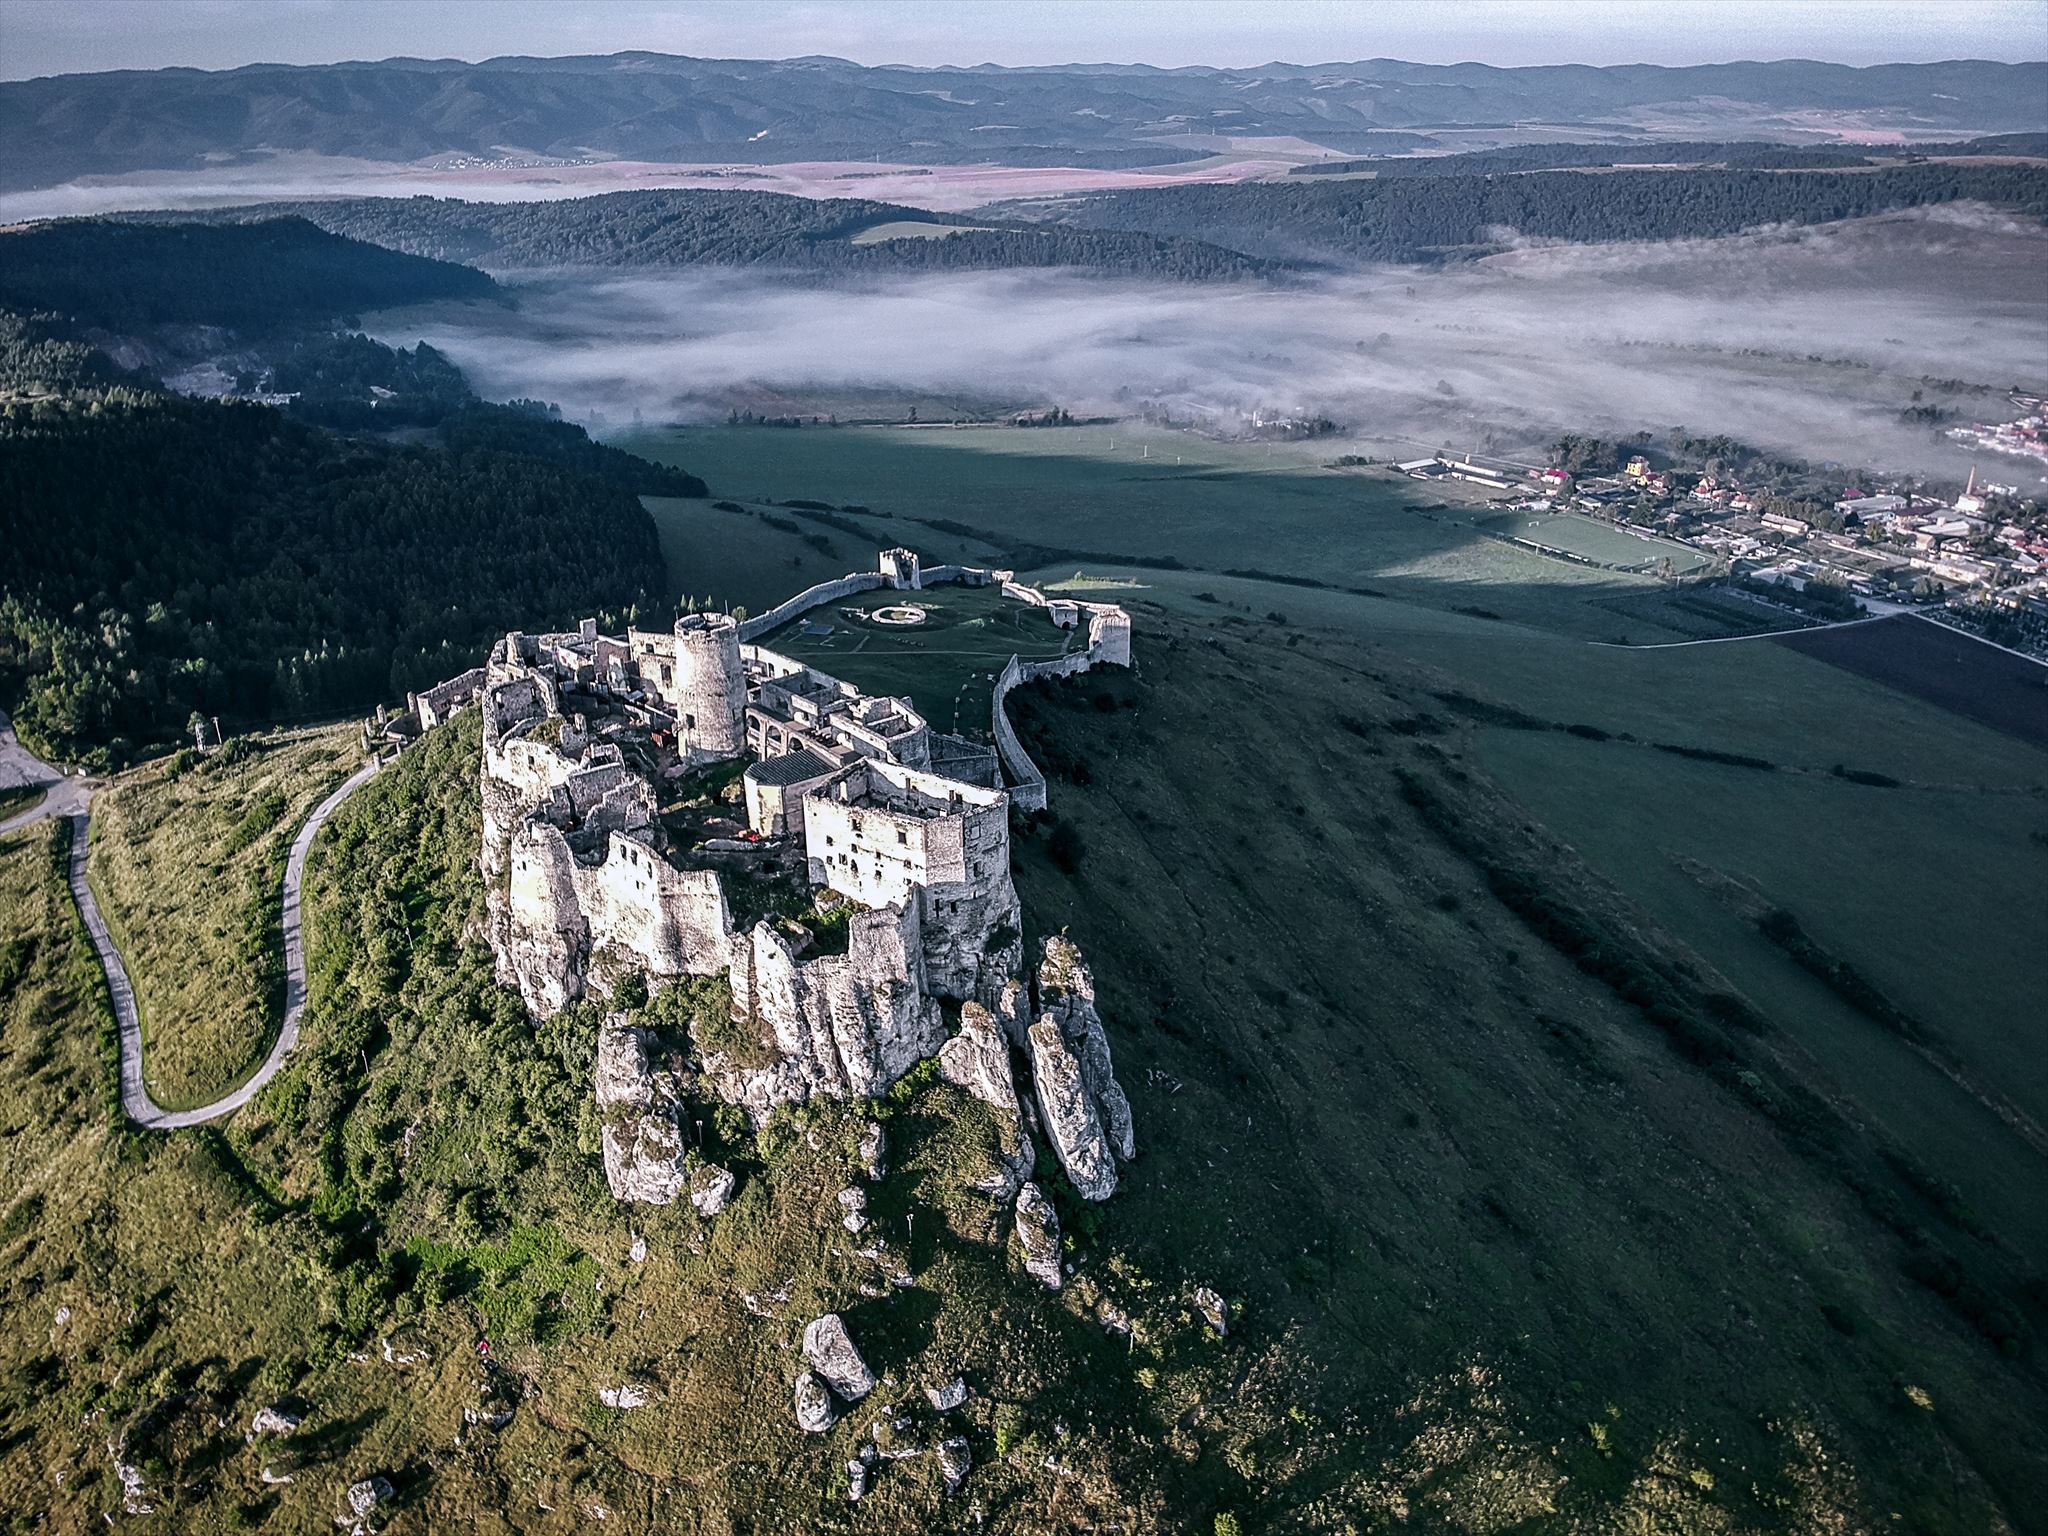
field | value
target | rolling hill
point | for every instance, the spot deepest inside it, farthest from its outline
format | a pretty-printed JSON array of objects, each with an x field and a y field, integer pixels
[{"x": 645, "y": 106}]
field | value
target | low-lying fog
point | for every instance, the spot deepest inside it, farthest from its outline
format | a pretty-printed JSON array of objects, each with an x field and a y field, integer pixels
[{"x": 1808, "y": 342}]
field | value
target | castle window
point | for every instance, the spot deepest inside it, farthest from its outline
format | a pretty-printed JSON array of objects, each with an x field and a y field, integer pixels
[{"x": 902, "y": 837}]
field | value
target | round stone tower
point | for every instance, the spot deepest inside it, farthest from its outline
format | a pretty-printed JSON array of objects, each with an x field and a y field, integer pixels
[{"x": 710, "y": 686}]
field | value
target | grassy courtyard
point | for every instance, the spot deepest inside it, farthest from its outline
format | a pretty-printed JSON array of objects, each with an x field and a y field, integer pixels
[{"x": 946, "y": 666}]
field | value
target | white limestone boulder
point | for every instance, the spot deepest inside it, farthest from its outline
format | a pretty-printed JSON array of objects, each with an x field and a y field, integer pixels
[
  {"x": 831, "y": 1353},
  {"x": 1037, "y": 1235},
  {"x": 641, "y": 1135},
  {"x": 711, "y": 1189},
  {"x": 815, "y": 1412}
]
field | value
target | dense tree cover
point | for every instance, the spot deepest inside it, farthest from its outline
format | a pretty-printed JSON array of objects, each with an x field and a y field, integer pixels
[
  {"x": 1426, "y": 217},
  {"x": 37, "y": 357},
  {"x": 532, "y": 430},
  {"x": 347, "y": 380},
  {"x": 692, "y": 228},
  {"x": 166, "y": 555},
  {"x": 117, "y": 275}
]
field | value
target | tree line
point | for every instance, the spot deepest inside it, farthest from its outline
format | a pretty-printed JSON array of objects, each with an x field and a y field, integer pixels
[
  {"x": 681, "y": 228},
  {"x": 1428, "y": 218},
  {"x": 116, "y": 275}
]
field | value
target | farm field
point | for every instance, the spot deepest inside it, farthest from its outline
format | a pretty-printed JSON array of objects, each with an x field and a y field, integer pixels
[
  {"x": 738, "y": 559},
  {"x": 186, "y": 867},
  {"x": 945, "y": 666},
  {"x": 2005, "y": 692},
  {"x": 912, "y": 229},
  {"x": 1047, "y": 499}
]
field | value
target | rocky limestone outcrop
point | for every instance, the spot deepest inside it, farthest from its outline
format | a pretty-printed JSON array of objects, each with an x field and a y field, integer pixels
[
  {"x": 711, "y": 1189},
  {"x": 367, "y": 1494},
  {"x": 955, "y": 1461},
  {"x": 1081, "y": 1104},
  {"x": 642, "y": 1133},
  {"x": 842, "y": 1026},
  {"x": 977, "y": 1060},
  {"x": 853, "y": 1205},
  {"x": 1037, "y": 1235},
  {"x": 874, "y": 1150},
  {"x": 830, "y": 1352},
  {"x": 815, "y": 1411},
  {"x": 274, "y": 1420},
  {"x": 949, "y": 1396}
]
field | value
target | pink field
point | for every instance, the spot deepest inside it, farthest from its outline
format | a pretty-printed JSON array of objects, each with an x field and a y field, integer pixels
[{"x": 940, "y": 188}]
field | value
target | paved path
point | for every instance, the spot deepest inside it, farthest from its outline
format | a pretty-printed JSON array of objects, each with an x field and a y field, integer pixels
[
  {"x": 1763, "y": 634},
  {"x": 71, "y": 798},
  {"x": 22, "y": 769}
]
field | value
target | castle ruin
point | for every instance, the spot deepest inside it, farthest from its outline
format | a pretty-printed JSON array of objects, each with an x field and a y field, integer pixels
[{"x": 898, "y": 836}]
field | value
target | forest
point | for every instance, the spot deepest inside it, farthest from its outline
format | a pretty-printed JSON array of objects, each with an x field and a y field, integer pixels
[
  {"x": 741, "y": 229},
  {"x": 116, "y": 275},
  {"x": 169, "y": 555},
  {"x": 1422, "y": 218}
]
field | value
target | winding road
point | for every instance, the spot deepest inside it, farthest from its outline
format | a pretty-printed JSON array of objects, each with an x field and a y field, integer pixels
[{"x": 72, "y": 798}]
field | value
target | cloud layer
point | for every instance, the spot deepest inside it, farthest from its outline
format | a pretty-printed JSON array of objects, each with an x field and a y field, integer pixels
[{"x": 1808, "y": 342}]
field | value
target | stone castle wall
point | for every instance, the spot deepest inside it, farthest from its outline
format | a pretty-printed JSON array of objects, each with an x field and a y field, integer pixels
[
  {"x": 562, "y": 920},
  {"x": 811, "y": 597}
]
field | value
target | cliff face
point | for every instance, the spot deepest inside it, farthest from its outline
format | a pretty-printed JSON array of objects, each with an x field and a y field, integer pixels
[
  {"x": 1087, "y": 1116},
  {"x": 973, "y": 942},
  {"x": 847, "y": 1026},
  {"x": 641, "y": 1132}
]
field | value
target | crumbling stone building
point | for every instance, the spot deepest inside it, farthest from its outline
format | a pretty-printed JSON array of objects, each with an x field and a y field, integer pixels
[{"x": 903, "y": 827}]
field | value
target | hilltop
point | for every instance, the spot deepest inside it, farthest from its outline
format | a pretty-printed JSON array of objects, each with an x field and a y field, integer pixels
[{"x": 662, "y": 108}]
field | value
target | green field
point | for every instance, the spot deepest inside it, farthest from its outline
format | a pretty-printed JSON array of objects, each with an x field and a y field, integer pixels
[
  {"x": 946, "y": 666},
  {"x": 1590, "y": 539},
  {"x": 738, "y": 559},
  {"x": 1036, "y": 499}
]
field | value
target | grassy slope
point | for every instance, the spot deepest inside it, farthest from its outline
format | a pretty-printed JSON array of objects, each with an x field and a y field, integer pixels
[
  {"x": 187, "y": 869},
  {"x": 1406, "y": 1130},
  {"x": 1470, "y": 1204},
  {"x": 177, "y": 1303}
]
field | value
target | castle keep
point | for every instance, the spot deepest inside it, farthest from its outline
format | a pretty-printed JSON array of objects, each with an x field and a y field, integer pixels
[{"x": 896, "y": 836}]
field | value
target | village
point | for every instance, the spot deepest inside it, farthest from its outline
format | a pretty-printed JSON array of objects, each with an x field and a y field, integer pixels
[{"x": 1979, "y": 559}]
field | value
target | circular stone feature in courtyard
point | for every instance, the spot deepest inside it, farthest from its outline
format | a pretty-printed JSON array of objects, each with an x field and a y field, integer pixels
[{"x": 898, "y": 615}]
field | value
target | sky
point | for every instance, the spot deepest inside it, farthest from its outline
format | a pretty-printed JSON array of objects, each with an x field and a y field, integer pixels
[{"x": 44, "y": 37}]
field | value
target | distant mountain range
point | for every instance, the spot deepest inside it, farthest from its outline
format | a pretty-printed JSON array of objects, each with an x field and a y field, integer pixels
[{"x": 642, "y": 106}]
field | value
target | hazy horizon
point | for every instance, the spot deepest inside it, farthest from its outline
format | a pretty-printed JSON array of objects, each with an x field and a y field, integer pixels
[{"x": 55, "y": 37}]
